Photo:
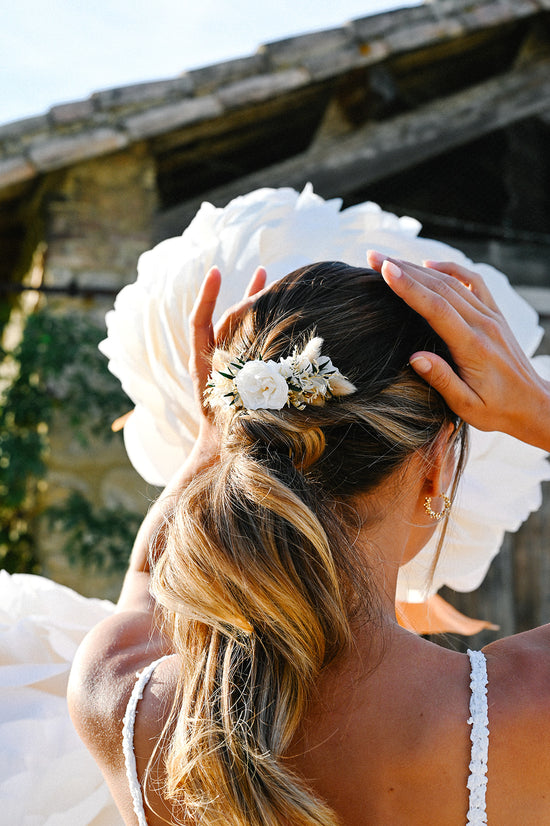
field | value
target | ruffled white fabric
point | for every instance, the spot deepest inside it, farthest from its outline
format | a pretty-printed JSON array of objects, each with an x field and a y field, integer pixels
[
  {"x": 47, "y": 777},
  {"x": 128, "y": 739},
  {"x": 148, "y": 348},
  {"x": 479, "y": 736}
]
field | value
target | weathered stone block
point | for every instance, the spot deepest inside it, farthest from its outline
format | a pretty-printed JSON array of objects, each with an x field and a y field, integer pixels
[
  {"x": 295, "y": 50},
  {"x": 122, "y": 487},
  {"x": 455, "y": 8},
  {"x": 99, "y": 280},
  {"x": 71, "y": 112},
  {"x": 450, "y": 8},
  {"x": 60, "y": 481},
  {"x": 522, "y": 8},
  {"x": 15, "y": 171},
  {"x": 363, "y": 54},
  {"x": 144, "y": 93},
  {"x": 537, "y": 297},
  {"x": 263, "y": 87},
  {"x": 209, "y": 78},
  {"x": 18, "y": 128},
  {"x": 376, "y": 26},
  {"x": 59, "y": 276},
  {"x": 163, "y": 118},
  {"x": 492, "y": 14},
  {"x": 58, "y": 152},
  {"x": 426, "y": 34}
]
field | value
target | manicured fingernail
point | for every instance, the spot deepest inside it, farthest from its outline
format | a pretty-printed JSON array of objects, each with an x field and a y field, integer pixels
[
  {"x": 421, "y": 364},
  {"x": 374, "y": 256},
  {"x": 392, "y": 270}
]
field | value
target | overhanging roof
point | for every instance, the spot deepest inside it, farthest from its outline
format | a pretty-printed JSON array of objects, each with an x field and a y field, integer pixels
[{"x": 406, "y": 83}]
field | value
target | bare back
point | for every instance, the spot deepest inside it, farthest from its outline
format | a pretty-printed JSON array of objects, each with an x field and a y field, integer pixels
[{"x": 390, "y": 744}]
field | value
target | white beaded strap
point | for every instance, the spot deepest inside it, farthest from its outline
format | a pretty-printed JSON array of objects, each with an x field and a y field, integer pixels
[
  {"x": 128, "y": 739},
  {"x": 479, "y": 735}
]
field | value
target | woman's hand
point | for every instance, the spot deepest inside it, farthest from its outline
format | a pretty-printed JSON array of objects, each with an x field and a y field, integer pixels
[
  {"x": 204, "y": 337},
  {"x": 496, "y": 387}
]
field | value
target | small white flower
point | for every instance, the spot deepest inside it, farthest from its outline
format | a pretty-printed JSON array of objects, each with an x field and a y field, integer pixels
[
  {"x": 222, "y": 392},
  {"x": 287, "y": 368},
  {"x": 261, "y": 386},
  {"x": 314, "y": 385}
]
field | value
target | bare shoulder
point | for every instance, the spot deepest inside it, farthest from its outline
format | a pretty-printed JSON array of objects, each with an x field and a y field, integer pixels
[
  {"x": 519, "y": 718},
  {"x": 102, "y": 679},
  {"x": 103, "y": 675},
  {"x": 519, "y": 668}
]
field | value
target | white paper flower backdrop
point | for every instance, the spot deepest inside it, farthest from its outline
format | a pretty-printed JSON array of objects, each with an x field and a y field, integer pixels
[
  {"x": 47, "y": 777},
  {"x": 148, "y": 349}
]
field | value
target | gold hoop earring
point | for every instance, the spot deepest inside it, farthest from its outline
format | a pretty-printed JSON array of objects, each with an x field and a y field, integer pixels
[{"x": 437, "y": 515}]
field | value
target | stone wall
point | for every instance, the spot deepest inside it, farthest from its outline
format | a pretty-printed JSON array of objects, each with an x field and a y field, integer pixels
[
  {"x": 102, "y": 472},
  {"x": 97, "y": 221}
]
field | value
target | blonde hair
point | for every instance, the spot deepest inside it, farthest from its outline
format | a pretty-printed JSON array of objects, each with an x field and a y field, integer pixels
[{"x": 259, "y": 582}]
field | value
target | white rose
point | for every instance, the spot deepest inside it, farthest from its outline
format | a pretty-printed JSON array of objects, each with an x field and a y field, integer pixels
[{"x": 261, "y": 386}]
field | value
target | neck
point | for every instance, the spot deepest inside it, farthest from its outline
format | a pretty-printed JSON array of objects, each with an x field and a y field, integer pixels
[{"x": 390, "y": 535}]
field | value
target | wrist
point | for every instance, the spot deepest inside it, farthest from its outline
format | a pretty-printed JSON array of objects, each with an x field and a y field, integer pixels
[
  {"x": 150, "y": 540},
  {"x": 204, "y": 454},
  {"x": 534, "y": 428}
]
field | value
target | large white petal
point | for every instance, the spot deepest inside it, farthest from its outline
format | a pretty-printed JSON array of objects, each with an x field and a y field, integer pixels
[
  {"x": 46, "y": 774},
  {"x": 148, "y": 348}
]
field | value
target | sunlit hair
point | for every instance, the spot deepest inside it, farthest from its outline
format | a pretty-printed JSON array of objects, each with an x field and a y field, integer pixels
[{"x": 260, "y": 583}]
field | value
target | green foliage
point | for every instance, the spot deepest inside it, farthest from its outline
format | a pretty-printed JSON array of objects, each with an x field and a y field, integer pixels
[
  {"x": 100, "y": 537},
  {"x": 60, "y": 366},
  {"x": 56, "y": 367}
]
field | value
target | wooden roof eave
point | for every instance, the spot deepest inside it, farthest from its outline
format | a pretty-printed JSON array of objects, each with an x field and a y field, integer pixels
[{"x": 378, "y": 149}]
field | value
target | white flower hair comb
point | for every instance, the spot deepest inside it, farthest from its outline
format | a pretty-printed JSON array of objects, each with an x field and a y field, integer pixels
[{"x": 303, "y": 378}]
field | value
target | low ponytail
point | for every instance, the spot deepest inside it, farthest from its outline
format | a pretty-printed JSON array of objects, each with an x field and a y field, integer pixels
[
  {"x": 253, "y": 598},
  {"x": 260, "y": 581}
]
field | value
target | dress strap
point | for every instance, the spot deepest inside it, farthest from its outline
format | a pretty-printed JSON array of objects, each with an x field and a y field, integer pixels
[
  {"x": 143, "y": 678},
  {"x": 479, "y": 735}
]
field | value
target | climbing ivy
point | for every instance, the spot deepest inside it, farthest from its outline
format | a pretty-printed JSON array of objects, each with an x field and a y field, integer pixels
[
  {"x": 56, "y": 368},
  {"x": 99, "y": 537}
]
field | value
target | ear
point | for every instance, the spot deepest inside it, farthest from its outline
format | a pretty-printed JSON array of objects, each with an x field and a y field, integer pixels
[{"x": 439, "y": 471}]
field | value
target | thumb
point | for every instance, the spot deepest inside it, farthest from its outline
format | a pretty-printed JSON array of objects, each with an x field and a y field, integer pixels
[{"x": 442, "y": 378}]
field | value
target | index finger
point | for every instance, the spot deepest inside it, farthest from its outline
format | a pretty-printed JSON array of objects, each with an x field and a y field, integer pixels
[
  {"x": 230, "y": 319},
  {"x": 471, "y": 279},
  {"x": 257, "y": 282},
  {"x": 444, "y": 277},
  {"x": 205, "y": 302},
  {"x": 433, "y": 300},
  {"x": 201, "y": 339}
]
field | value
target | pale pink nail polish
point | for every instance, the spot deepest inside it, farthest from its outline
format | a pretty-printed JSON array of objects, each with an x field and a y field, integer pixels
[
  {"x": 392, "y": 270},
  {"x": 421, "y": 364}
]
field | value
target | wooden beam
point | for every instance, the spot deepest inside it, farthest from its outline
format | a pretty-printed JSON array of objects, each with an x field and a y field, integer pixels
[{"x": 380, "y": 149}]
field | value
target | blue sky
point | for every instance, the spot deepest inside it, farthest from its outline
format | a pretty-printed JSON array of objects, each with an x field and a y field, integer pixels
[{"x": 54, "y": 51}]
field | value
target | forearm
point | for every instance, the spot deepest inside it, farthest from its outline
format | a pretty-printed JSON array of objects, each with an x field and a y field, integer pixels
[
  {"x": 148, "y": 543},
  {"x": 150, "y": 538},
  {"x": 533, "y": 426}
]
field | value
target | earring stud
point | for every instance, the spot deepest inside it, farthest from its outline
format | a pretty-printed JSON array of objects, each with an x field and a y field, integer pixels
[{"x": 437, "y": 515}]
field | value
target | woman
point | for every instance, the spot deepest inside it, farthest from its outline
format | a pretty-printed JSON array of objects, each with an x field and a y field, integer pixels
[{"x": 285, "y": 692}]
